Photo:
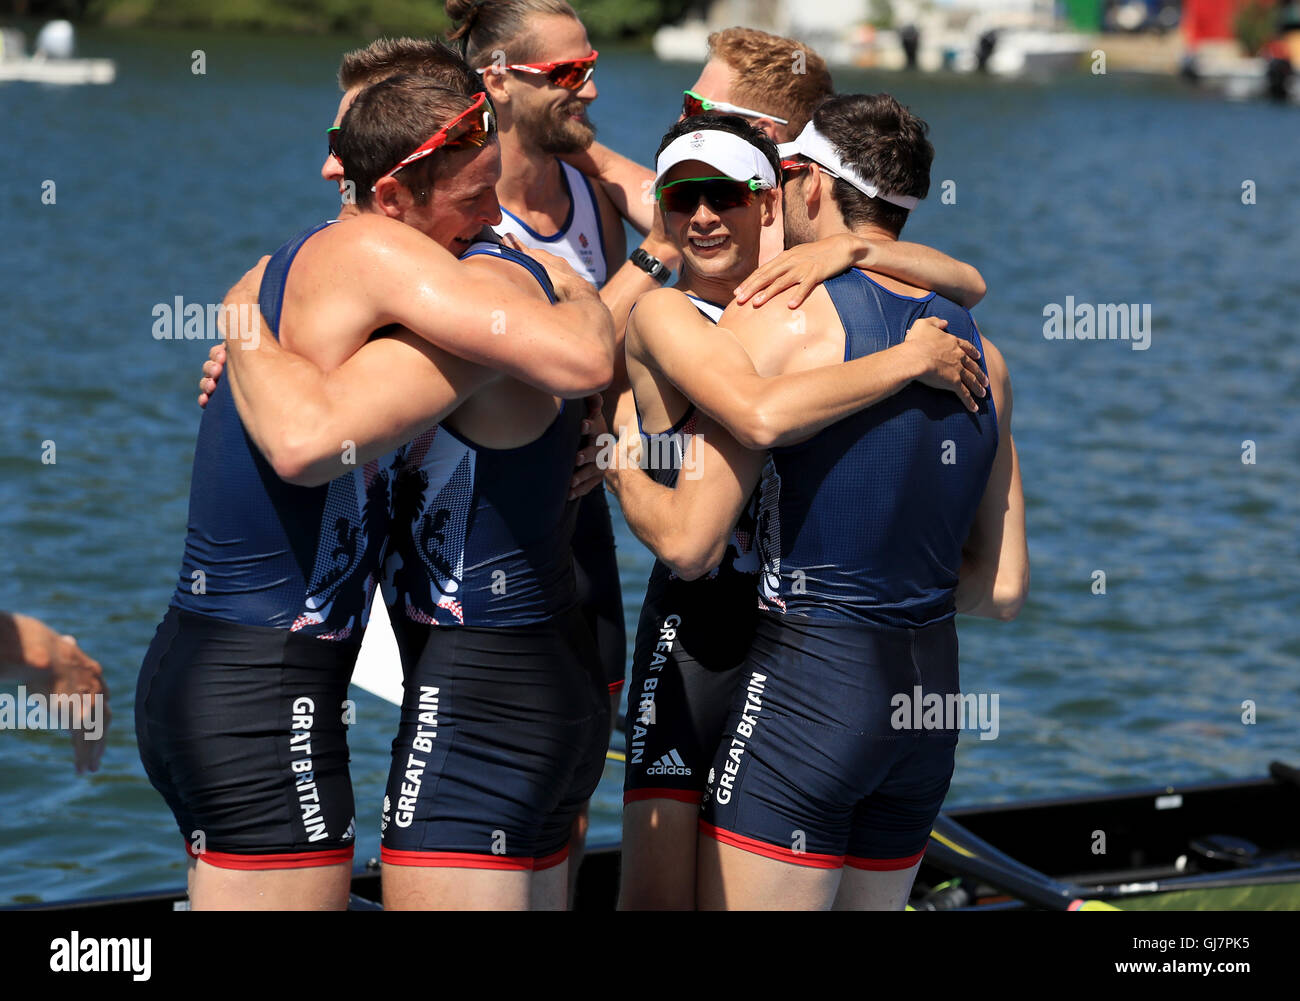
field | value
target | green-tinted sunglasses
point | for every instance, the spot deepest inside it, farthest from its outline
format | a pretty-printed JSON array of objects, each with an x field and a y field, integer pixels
[{"x": 722, "y": 193}]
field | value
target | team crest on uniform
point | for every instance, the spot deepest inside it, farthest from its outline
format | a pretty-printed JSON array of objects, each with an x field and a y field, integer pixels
[
  {"x": 582, "y": 239},
  {"x": 697, "y": 140}
]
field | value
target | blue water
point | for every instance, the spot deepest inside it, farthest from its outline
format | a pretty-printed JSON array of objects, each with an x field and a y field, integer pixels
[{"x": 1107, "y": 190}]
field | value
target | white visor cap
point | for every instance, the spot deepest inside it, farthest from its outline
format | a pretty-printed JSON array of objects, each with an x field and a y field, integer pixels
[
  {"x": 818, "y": 148},
  {"x": 725, "y": 152}
]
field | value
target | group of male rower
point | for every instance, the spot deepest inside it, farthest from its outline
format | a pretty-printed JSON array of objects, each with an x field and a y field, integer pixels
[{"x": 824, "y": 477}]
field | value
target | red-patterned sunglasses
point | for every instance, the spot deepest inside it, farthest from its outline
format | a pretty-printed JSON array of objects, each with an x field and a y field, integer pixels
[
  {"x": 571, "y": 74},
  {"x": 469, "y": 128}
]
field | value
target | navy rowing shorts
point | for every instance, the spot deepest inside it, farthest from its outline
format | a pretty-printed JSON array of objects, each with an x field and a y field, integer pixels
[
  {"x": 501, "y": 743},
  {"x": 821, "y": 764},
  {"x": 240, "y": 728},
  {"x": 691, "y": 644}
]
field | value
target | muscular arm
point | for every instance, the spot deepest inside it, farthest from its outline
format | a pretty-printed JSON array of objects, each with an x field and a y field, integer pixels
[
  {"x": 688, "y": 526},
  {"x": 566, "y": 349},
  {"x": 624, "y": 182},
  {"x": 925, "y": 267},
  {"x": 803, "y": 267},
  {"x": 711, "y": 367},
  {"x": 994, "y": 577},
  {"x": 313, "y": 425}
]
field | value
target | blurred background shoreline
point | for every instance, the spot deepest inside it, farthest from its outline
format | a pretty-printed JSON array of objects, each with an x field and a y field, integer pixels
[{"x": 1230, "y": 44}]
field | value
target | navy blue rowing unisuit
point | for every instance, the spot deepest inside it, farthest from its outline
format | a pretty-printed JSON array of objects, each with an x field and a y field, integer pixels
[
  {"x": 482, "y": 536},
  {"x": 505, "y": 718},
  {"x": 580, "y": 241},
  {"x": 263, "y": 552},
  {"x": 865, "y": 521},
  {"x": 860, "y": 535},
  {"x": 238, "y": 706}
]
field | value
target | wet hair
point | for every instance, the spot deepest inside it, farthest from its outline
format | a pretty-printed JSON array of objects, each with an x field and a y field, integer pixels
[
  {"x": 734, "y": 124},
  {"x": 884, "y": 142},
  {"x": 773, "y": 74},
  {"x": 385, "y": 57},
  {"x": 387, "y": 122},
  {"x": 490, "y": 26}
]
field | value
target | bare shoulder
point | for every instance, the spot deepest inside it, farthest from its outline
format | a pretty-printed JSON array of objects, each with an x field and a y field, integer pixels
[
  {"x": 369, "y": 235},
  {"x": 777, "y": 337},
  {"x": 659, "y": 301},
  {"x": 658, "y": 315},
  {"x": 775, "y": 313}
]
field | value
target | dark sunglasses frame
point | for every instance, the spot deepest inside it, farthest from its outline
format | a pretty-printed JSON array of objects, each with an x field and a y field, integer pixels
[{"x": 722, "y": 194}]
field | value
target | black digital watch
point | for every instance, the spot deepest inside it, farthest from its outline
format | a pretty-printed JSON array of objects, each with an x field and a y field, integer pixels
[{"x": 652, "y": 266}]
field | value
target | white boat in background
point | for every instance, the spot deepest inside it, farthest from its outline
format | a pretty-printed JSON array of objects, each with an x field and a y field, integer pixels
[
  {"x": 1224, "y": 69},
  {"x": 53, "y": 60},
  {"x": 1008, "y": 38},
  {"x": 682, "y": 43}
]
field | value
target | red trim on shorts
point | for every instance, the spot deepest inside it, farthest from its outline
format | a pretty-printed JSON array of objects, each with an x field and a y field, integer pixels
[
  {"x": 681, "y": 795},
  {"x": 287, "y": 860},
  {"x": 454, "y": 860},
  {"x": 615, "y": 686},
  {"x": 883, "y": 864},
  {"x": 552, "y": 860},
  {"x": 811, "y": 860}
]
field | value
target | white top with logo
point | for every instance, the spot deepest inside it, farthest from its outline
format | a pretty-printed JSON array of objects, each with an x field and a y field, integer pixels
[{"x": 581, "y": 239}]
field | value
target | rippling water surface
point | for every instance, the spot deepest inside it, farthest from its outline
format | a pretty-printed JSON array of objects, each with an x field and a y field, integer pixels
[{"x": 1107, "y": 190}]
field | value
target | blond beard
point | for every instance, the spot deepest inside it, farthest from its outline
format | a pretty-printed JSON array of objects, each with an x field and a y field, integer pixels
[{"x": 557, "y": 135}]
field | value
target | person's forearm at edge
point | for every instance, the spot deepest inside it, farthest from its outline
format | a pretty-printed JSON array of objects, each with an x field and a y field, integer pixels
[
  {"x": 620, "y": 295},
  {"x": 25, "y": 648},
  {"x": 33, "y": 654},
  {"x": 993, "y": 581}
]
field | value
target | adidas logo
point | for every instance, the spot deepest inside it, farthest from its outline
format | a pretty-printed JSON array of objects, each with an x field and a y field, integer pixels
[
  {"x": 670, "y": 764},
  {"x": 351, "y": 832}
]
